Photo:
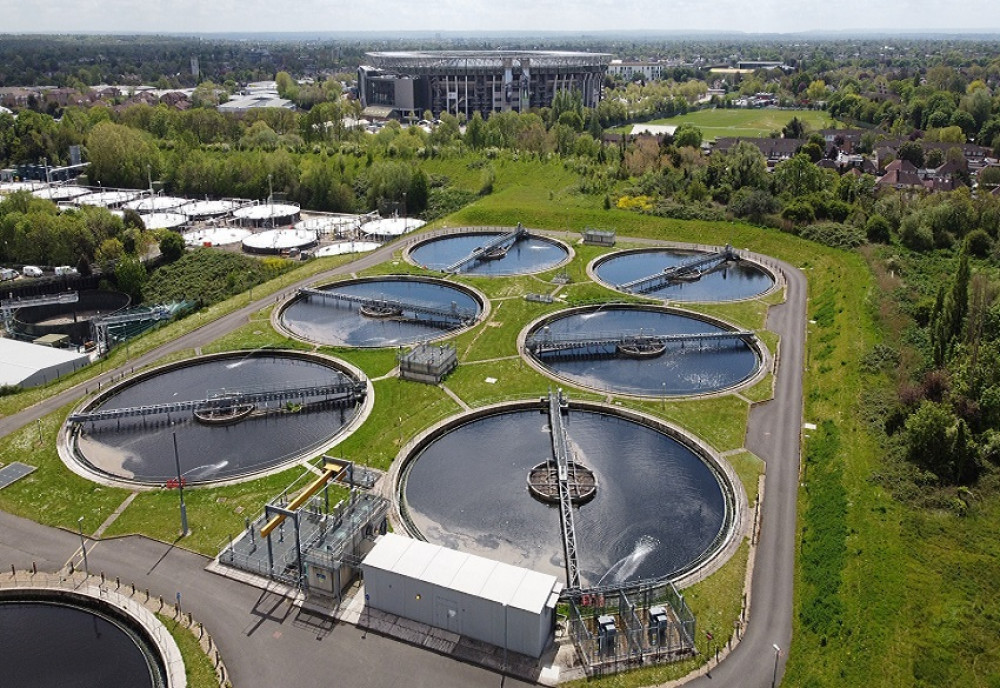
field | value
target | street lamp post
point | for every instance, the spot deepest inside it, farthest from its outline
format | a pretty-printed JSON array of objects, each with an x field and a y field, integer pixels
[
  {"x": 83, "y": 547},
  {"x": 180, "y": 488},
  {"x": 774, "y": 676}
]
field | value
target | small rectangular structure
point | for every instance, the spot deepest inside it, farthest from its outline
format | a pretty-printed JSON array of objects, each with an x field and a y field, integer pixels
[
  {"x": 13, "y": 472},
  {"x": 506, "y": 606},
  {"x": 598, "y": 237},
  {"x": 428, "y": 363}
]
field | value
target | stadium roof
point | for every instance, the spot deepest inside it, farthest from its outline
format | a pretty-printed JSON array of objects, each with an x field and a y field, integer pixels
[{"x": 494, "y": 59}]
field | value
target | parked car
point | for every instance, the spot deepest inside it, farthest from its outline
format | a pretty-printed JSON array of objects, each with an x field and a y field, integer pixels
[
  {"x": 8, "y": 274},
  {"x": 31, "y": 271},
  {"x": 66, "y": 270}
]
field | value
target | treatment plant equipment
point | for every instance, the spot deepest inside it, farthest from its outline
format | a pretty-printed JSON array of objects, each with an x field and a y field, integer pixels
[
  {"x": 640, "y": 350},
  {"x": 234, "y": 415},
  {"x": 708, "y": 274},
  {"x": 323, "y": 553},
  {"x": 392, "y": 310},
  {"x": 492, "y": 251}
]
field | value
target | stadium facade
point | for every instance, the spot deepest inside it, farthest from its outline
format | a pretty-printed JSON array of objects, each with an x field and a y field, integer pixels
[{"x": 464, "y": 82}]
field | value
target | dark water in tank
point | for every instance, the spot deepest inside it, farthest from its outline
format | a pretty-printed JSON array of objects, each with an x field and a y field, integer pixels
[
  {"x": 742, "y": 280},
  {"x": 688, "y": 369},
  {"x": 658, "y": 507},
  {"x": 530, "y": 254},
  {"x": 145, "y": 451},
  {"x": 340, "y": 324},
  {"x": 49, "y": 644}
]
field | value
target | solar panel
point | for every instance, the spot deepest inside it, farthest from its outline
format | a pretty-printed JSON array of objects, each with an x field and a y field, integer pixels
[{"x": 14, "y": 472}]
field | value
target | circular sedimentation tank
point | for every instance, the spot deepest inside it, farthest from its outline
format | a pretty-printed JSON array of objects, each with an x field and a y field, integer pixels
[
  {"x": 205, "y": 210},
  {"x": 390, "y": 227},
  {"x": 274, "y": 241},
  {"x": 527, "y": 255},
  {"x": 339, "y": 248},
  {"x": 662, "y": 505},
  {"x": 61, "y": 193},
  {"x": 422, "y": 309},
  {"x": 640, "y": 350},
  {"x": 156, "y": 204},
  {"x": 216, "y": 236},
  {"x": 730, "y": 280},
  {"x": 62, "y": 638},
  {"x": 106, "y": 199},
  {"x": 72, "y": 319},
  {"x": 268, "y": 214},
  {"x": 215, "y": 446},
  {"x": 164, "y": 220}
]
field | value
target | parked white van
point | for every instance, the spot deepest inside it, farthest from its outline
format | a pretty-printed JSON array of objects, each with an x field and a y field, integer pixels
[
  {"x": 66, "y": 270},
  {"x": 31, "y": 271}
]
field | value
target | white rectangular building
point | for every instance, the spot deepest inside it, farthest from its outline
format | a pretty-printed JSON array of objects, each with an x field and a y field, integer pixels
[
  {"x": 506, "y": 606},
  {"x": 29, "y": 365}
]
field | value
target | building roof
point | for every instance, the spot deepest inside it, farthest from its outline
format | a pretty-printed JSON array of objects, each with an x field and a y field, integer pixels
[
  {"x": 20, "y": 360},
  {"x": 473, "y": 575}
]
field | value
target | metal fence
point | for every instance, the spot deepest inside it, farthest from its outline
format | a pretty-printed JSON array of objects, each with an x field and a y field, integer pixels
[{"x": 615, "y": 629}]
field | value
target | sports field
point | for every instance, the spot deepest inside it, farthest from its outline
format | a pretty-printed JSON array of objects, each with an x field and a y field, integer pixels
[{"x": 749, "y": 123}]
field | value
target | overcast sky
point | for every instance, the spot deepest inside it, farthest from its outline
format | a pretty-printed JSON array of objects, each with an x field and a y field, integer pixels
[{"x": 755, "y": 16}]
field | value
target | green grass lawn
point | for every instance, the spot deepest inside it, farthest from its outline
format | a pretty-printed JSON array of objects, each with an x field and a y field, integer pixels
[{"x": 746, "y": 123}]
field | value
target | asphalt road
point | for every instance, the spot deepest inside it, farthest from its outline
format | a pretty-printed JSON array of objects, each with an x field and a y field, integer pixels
[{"x": 266, "y": 642}]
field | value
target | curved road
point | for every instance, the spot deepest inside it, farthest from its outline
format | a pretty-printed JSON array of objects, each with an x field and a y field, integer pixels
[{"x": 267, "y": 642}]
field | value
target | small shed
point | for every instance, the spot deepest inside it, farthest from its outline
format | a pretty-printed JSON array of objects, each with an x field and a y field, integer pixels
[
  {"x": 506, "y": 606},
  {"x": 428, "y": 363},
  {"x": 598, "y": 237}
]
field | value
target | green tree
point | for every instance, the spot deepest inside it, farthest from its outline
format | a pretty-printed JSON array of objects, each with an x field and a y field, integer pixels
[
  {"x": 121, "y": 156},
  {"x": 687, "y": 135},
  {"x": 130, "y": 274},
  {"x": 171, "y": 246},
  {"x": 475, "y": 131},
  {"x": 795, "y": 129},
  {"x": 799, "y": 176},
  {"x": 878, "y": 230}
]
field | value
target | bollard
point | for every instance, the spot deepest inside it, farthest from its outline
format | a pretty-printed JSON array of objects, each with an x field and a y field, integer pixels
[
  {"x": 161, "y": 604},
  {"x": 71, "y": 568},
  {"x": 13, "y": 571},
  {"x": 102, "y": 577},
  {"x": 147, "y": 595},
  {"x": 190, "y": 620},
  {"x": 34, "y": 568},
  {"x": 118, "y": 583},
  {"x": 133, "y": 587},
  {"x": 201, "y": 630}
]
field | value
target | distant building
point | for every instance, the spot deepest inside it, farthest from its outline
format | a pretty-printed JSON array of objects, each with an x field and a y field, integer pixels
[
  {"x": 465, "y": 82},
  {"x": 628, "y": 69}
]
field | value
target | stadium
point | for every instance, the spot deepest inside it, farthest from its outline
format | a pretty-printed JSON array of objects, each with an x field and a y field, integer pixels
[{"x": 464, "y": 82}]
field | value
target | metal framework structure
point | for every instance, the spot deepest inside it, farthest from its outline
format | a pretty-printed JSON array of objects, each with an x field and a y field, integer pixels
[
  {"x": 464, "y": 82},
  {"x": 557, "y": 406},
  {"x": 449, "y": 317},
  {"x": 611, "y": 344},
  {"x": 8, "y": 306},
  {"x": 325, "y": 538},
  {"x": 101, "y": 328},
  {"x": 487, "y": 251},
  {"x": 691, "y": 269},
  {"x": 226, "y": 400}
]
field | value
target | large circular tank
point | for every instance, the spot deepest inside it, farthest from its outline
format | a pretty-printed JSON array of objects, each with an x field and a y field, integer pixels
[
  {"x": 14, "y": 187},
  {"x": 340, "y": 248},
  {"x": 216, "y": 236},
  {"x": 71, "y": 319},
  {"x": 664, "y": 504},
  {"x": 206, "y": 210},
  {"x": 164, "y": 220},
  {"x": 391, "y": 227},
  {"x": 52, "y": 637},
  {"x": 731, "y": 280},
  {"x": 529, "y": 254},
  {"x": 262, "y": 435},
  {"x": 61, "y": 193},
  {"x": 274, "y": 241},
  {"x": 324, "y": 225},
  {"x": 421, "y": 309},
  {"x": 268, "y": 214},
  {"x": 106, "y": 199},
  {"x": 639, "y": 350},
  {"x": 156, "y": 204}
]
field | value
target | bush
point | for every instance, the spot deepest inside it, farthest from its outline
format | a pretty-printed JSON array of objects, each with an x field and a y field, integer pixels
[
  {"x": 445, "y": 201},
  {"x": 878, "y": 230},
  {"x": 834, "y": 234},
  {"x": 171, "y": 246},
  {"x": 689, "y": 211},
  {"x": 980, "y": 243}
]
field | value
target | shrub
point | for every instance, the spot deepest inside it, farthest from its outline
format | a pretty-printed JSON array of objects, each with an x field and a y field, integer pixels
[{"x": 834, "y": 234}]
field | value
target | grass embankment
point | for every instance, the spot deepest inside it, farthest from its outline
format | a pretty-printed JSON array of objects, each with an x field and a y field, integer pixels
[
  {"x": 876, "y": 590},
  {"x": 198, "y": 667},
  {"x": 745, "y": 123}
]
